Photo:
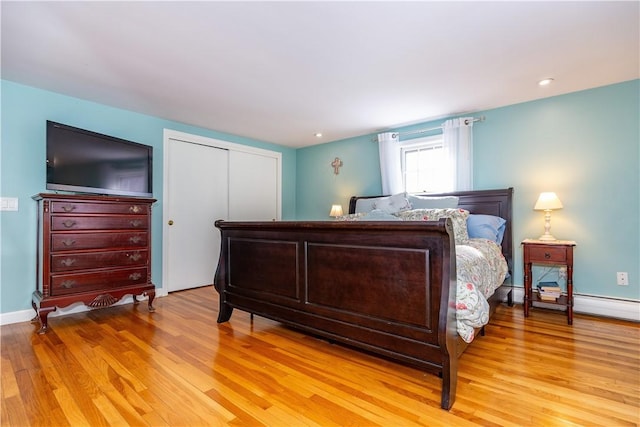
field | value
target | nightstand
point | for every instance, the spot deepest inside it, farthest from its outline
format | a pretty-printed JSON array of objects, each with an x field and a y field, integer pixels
[{"x": 548, "y": 252}]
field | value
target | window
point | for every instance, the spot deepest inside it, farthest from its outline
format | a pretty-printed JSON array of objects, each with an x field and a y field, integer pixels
[{"x": 424, "y": 167}]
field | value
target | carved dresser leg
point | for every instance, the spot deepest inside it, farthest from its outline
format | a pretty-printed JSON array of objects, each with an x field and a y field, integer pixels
[
  {"x": 152, "y": 295},
  {"x": 43, "y": 316}
]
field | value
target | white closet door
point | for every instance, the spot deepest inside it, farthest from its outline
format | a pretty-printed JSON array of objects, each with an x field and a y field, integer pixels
[
  {"x": 253, "y": 187},
  {"x": 197, "y": 196}
]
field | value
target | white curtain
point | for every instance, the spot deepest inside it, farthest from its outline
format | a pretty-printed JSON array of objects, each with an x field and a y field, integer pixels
[
  {"x": 458, "y": 150},
  {"x": 390, "y": 163}
]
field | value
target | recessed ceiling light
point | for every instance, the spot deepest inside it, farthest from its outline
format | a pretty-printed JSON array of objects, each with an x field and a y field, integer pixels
[
  {"x": 545, "y": 82},
  {"x": 318, "y": 135}
]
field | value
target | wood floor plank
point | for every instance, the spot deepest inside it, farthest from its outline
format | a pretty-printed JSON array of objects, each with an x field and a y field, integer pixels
[
  {"x": 176, "y": 367},
  {"x": 13, "y": 412},
  {"x": 8, "y": 378},
  {"x": 184, "y": 380},
  {"x": 72, "y": 412}
]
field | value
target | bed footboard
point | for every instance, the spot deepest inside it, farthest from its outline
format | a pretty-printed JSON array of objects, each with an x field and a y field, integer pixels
[{"x": 385, "y": 288}]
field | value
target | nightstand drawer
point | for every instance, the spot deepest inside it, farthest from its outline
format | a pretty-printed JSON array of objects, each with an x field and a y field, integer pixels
[{"x": 541, "y": 253}]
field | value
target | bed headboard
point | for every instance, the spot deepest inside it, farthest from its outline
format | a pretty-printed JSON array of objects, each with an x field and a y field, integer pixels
[{"x": 488, "y": 202}]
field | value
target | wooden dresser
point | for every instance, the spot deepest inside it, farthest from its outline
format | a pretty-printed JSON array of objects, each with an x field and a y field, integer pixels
[{"x": 91, "y": 249}]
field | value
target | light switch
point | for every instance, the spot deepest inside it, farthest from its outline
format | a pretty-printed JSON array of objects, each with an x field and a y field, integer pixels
[{"x": 8, "y": 203}]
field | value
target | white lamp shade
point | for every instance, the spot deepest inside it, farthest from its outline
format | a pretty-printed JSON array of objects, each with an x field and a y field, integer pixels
[
  {"x": 336, "y": 210},
  {"x": 548, "y": 201}
]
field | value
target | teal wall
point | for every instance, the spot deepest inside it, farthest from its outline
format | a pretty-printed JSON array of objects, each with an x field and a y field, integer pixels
[
  {"x": 22, "y": 159},
  {"x": 583, "y": 145}
]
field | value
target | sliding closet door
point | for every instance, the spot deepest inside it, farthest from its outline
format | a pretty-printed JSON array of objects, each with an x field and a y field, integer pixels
[
  {"x": 196, "y": 196},
  {"x": 253, "y": 186}
]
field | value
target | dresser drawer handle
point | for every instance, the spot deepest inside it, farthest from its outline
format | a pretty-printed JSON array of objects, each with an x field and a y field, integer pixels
[
  {"x": 135, "y": 223},
  {"x": 68, "y": 208},
  {"x": 68, "y": 242},
  {"x": 68, "y": 262},
  {"x": 547, "y": 255},
  {"x": 134, "y": 256},
  {"x": 69, "y": 223},
  {"x": 135, "y": 209},
  {"x": 135, "y": 239},
  {"x": 135, "y": 276},
  {"x": 68, "y": 284}
]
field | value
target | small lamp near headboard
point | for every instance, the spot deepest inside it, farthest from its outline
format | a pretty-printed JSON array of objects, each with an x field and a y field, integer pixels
[
  {"x": 336, "y": 210},
  {"x": 547, "y": 202}
]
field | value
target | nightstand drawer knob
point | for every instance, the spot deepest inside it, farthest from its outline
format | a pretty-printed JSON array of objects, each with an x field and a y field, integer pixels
[{"x": 547, "y": 255}]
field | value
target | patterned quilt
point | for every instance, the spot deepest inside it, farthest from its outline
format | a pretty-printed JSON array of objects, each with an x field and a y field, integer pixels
[{"x": 481, "y": 269}]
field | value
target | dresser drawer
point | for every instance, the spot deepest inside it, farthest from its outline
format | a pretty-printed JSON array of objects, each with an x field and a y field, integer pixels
[
  {"x": 65, "y": 284},
  {"x": 78, "y": 241},
  {"x": 64, "y": 222},
  {"x": 101, "y": 208},
  {"x": 548, "y": 254},
  {"x": 88, "y": 260}
]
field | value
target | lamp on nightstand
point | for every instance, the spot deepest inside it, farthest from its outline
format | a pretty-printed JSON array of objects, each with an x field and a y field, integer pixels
[
  {"x": 547, "y": 202},
  {"x": 336, "y": 210}
]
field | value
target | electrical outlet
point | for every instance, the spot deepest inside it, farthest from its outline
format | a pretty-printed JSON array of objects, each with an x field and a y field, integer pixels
[{"x": 623, "y": 278}]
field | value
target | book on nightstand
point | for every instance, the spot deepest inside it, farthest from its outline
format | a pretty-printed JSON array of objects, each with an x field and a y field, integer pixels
[{"x": 549, "y": 291}]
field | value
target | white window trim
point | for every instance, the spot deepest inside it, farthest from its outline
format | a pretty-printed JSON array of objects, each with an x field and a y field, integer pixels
[{"x": 417, "y": 144}]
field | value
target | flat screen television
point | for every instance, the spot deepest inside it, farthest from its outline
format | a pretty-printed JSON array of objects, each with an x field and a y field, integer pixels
[{"x": 82, "y": 161}]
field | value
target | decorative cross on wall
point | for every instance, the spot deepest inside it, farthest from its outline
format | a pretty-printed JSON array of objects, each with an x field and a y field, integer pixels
[{"x": 337, "y": 164}]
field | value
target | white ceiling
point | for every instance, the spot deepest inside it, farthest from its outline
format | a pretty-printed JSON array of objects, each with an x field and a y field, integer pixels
[{"x": 282, "y": 71}]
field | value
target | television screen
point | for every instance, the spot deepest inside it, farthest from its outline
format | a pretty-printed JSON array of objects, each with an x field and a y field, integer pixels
[{"x": 82, "y": 161}]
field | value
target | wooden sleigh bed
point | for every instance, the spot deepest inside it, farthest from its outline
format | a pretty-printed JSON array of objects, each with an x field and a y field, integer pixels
[{"x": 387, "y": 288}]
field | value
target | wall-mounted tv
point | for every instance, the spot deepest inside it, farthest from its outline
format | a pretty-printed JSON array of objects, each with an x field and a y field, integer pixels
[{"x": 83, "y": 161}]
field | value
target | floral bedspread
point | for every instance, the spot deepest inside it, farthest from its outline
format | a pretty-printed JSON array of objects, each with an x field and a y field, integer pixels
[{"x": 481, "y": 269}]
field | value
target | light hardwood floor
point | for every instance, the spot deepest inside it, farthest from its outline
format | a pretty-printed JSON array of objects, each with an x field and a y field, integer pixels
[{"x": 125, "y": 366}]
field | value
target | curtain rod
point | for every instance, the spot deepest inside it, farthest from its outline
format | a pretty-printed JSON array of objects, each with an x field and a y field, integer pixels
[{"x": 415, "y": 132}]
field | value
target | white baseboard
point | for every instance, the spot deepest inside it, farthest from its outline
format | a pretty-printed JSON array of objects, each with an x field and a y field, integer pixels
[
  {"x": 27, "y": 315},
  {"x": 616, "y": 308},
  {"x": 16, "y": 317}
]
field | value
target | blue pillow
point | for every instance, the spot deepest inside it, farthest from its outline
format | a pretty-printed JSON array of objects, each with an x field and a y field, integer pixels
[{"x": 486, "y": 227}]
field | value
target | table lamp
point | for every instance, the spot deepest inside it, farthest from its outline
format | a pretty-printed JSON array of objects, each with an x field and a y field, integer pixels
[
  {"x": 336, "y": 210},
  {"x": 547, "y": 202}
]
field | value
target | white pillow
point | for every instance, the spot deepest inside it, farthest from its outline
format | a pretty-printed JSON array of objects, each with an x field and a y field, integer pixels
[
  {"x": 433, "y": 202},
  {"x": 365, "y": 205},
  {"x": 392, "y": 204}
]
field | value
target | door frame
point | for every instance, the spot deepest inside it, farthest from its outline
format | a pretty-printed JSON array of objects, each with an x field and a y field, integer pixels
[{"x": 169, "y": 134}]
